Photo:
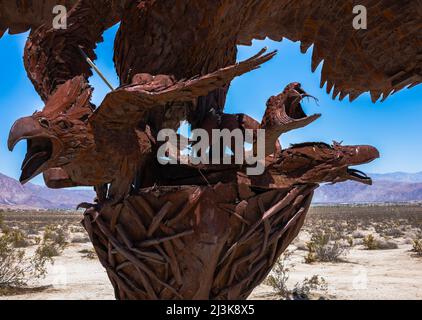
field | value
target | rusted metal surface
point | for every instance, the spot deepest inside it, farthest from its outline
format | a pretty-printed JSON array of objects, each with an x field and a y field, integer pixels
[
  {"x": 195, "y": 231},
  {"x": 213, "y": 232},
  {"x": 206, "y": 244},
  {"x": 184, "y": 39}
]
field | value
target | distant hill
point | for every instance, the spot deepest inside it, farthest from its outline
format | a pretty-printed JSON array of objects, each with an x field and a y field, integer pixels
[
  {"x": 380, "y": 191},
  {"x": 389, "y": 187},
  {"x": 398, "y": 177},
  {"x": 13, "y": 194}
]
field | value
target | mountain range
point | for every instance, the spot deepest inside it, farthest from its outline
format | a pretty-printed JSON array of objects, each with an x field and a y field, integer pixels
[
  {"x": 31, "y": 196},
  {"x": 389, "y": 187}
]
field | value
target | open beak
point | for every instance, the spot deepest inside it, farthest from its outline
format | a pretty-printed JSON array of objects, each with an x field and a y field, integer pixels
[
  {"x": 360, "y": 155},
  {"x": 358, "y": 176},
  {"x": 297, "y": 118},
  {"x": 39, "y": 146}
]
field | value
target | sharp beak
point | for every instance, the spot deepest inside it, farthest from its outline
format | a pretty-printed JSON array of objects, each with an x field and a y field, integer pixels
[
  {"x": 39, "y": 146},
  {"x": 23, "y": 128},
  {"x": 361, "y": 155},
  {"x": 297, "y": 118}
]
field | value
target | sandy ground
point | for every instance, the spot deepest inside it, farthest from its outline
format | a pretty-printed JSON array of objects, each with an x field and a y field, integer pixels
[
  {"x": 365, "y": 275},
  {"x": 377, "y": 274}
]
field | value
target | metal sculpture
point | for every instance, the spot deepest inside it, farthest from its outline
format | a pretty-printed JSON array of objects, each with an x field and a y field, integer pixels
[{"x": 195, "y": 231}]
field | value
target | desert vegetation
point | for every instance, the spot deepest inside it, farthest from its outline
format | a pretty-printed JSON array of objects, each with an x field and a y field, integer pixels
[
  {"x": 304, "y": 290},
  {"x": 17, "y": 268},
  {"x": 29, "y": 241},
  {"x": 319, "y": 264},
  {"x": 417, "y": 247},
  {"x": 350, "y": 239},
  {"x": 327, "y": 246}
]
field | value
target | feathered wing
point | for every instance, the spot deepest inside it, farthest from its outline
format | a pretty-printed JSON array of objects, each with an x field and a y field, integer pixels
[
  {"x": 180, "y": 38},
  {"x": 384, "y": 58},
  {"x": 19, "y": 16},
  {"x": 124, "y": 108},
  {"x": 52, "y": 55}
]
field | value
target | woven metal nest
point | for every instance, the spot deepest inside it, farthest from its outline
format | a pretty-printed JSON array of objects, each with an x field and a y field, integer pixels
[{"x": 195, "y": 242}]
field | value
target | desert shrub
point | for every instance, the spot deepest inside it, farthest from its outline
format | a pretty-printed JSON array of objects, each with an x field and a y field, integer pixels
[
  {"x": 370, "y": 243},
  {"x": 15, "y": 268},
  {"x": 49, "y": 250},
  {"x": 54, "y": 241},
  {"x": 279, "y": 276},
  {"x": 417, "y": 246},
  {"x": 88, "y": 253},
  {"x": 32, "y": 229},
  {"x": 325, "y": 246},
  {"x": 55, "y": 234},
  {"x": 17, "y": 238},
  {"x": 303, "y": 290},
  {"x": 37, "y": 240},
  {"x": 76, "y": 229}
]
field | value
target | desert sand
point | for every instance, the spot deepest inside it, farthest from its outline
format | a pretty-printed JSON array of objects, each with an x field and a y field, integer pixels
[
  {"x": 375, "y": 274},
  {"x": 360, "y": 274}
]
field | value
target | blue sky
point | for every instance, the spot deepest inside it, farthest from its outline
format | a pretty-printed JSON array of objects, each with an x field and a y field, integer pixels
[{"x": 393, "y": 126}]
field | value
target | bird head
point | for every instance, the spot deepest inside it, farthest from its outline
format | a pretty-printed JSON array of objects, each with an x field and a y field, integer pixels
[
  {"x": 320, "y": 162},
  {"x": 284, "y": 111},
  {"x": 56, "y": 134},
  {"x": 293, "y": 94}
]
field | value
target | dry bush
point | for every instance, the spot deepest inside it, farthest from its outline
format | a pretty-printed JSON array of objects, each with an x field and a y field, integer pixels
[
  {"x": 279, "y": 276},
  {"x": 325, "y": 246},
  {"x": 417, "y": 247},
  {"x": 15, "y": 268},
  {"x": 54, "y": 241},
  {"x": 88, "y": 254},
  {"x": 32, "y": 229},
  {"x": 17, "y": 238},
  {"x": 56, "y": 234},
  {"x": 76, "y": 229},
  {"x": 49, "y": 250},
  {"x": 371, "y": 243},
  {"x": 304, "y": 290}
]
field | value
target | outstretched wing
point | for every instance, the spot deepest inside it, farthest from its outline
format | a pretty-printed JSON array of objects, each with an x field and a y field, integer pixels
[
  {"x": 125, "y": 107},
  {"x": 385, "y": 57},
  {"x": 19, "y": 16},
  {"x": 52, "y": 55}
]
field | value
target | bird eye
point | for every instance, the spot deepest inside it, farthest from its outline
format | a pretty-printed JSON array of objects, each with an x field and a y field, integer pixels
[{"x": 44, "y": 123}]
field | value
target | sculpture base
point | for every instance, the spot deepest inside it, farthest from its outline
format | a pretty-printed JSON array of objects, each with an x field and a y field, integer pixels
[{"x": 195, "y": 242}]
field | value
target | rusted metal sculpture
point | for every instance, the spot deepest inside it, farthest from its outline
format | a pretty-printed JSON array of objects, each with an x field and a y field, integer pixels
[{"x": 195, "y": 231}]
